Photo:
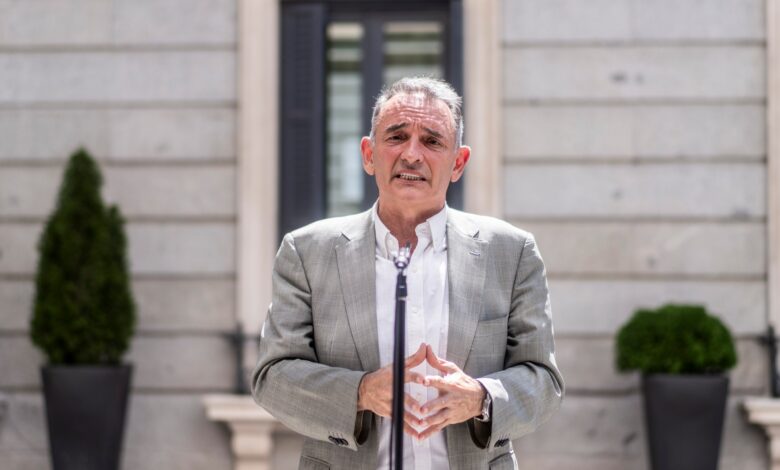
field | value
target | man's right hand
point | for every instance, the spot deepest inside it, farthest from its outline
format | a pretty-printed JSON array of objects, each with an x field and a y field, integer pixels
[{"x": 376, "y": 391}]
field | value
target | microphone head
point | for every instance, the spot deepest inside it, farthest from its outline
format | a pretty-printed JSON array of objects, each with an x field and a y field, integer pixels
[{"x": 401, "y": 259}]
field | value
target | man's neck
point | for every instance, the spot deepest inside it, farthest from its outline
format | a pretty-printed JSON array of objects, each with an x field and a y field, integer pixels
[{"x": 402, "y": 223}]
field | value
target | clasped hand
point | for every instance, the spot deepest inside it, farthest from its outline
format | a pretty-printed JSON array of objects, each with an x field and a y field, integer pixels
[{"x": 460, "y": 396}]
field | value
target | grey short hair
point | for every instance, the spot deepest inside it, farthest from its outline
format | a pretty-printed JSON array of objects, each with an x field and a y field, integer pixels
[{"x": 432, "y": 88}]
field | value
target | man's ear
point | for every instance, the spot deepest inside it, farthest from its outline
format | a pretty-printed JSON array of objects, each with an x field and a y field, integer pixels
[
  {"x": 464, "y": 153},
  {"x": 367, "y": 151}
]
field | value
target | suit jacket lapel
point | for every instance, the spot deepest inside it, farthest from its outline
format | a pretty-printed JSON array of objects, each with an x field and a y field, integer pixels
[
  {"x": 355, "y": 256},
  {"x": 466, "y": 264}
]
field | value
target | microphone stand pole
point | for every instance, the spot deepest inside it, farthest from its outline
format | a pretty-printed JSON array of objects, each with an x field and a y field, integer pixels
[{"x": 399, "y": 352}]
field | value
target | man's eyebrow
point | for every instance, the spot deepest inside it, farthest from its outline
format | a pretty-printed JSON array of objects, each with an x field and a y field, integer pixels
[
  {"x": 396, "y": 127},
  {"x": 434, "y": 133}
]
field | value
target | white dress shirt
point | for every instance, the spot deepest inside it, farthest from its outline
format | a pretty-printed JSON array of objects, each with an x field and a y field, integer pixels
[{"x": 427, "y": 321}]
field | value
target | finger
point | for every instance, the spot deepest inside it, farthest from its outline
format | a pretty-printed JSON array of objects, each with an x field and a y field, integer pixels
[
  {"x": 428, "y": 432},
  {"x": 441, "y": 417},
  {"x": 410, "y": 376},
  {"x": 418, "y": 357},
  {"x": 411, "y": 404},
  {"x": 412, "y": 420},
  {"x": 439, "y": 383},
  {"x": 434, "y": 405},
  {"x": 439, "y": 364},
  {"x": 411, "y": 431}
]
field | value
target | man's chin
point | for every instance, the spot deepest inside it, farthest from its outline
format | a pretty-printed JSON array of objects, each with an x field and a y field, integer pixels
[
  {"x": 411, "y": 197},
  {"x": 409, "y": 193}
]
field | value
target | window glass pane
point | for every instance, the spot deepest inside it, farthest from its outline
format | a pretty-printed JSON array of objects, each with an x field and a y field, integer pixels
[
  {"x": 413, "y": 48},
  {"x": 344, "y": 92}
]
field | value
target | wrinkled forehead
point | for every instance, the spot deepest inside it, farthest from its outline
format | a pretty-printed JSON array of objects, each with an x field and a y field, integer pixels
[{"x": 417, "y": 108}]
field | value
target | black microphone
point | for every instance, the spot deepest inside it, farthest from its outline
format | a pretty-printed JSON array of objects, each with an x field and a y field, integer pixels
[{"x": 401, "y": 260}]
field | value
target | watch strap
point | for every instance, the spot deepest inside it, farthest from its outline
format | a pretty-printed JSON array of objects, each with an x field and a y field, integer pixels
[{"x": 486, "y": 406}]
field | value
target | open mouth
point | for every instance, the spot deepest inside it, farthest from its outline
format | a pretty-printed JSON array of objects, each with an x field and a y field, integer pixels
[{"x": 409, "y": 177}]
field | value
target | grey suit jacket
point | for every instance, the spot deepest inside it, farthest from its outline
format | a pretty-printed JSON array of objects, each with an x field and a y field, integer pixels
[{"x": 320, "y": 338}]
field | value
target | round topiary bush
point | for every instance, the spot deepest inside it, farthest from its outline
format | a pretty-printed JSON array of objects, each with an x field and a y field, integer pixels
[
  {"x": 83, "y": 308},
  {"x": 675, "y": 339}
]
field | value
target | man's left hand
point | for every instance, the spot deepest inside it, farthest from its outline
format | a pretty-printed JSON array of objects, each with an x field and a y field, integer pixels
[{"x": 460, "y": 396}]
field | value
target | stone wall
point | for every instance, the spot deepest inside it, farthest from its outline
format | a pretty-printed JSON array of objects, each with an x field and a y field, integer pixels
[
  {"x": 635, "y": 150},
  {"x": 149, "y": 88}
]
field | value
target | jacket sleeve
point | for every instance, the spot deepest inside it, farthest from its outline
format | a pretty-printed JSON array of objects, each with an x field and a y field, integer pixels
[
  {"x": 530, "y": 388},
  {"x": 313, "y": 399}
]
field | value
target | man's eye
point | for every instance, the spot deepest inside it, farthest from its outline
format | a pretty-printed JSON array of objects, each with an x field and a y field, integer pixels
[
  {"x": 433, "y": 142},
  {"x": 395, "y": 138}
]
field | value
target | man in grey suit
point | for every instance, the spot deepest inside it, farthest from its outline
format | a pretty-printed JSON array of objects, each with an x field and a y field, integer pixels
[{"x": 481, "y": 366}]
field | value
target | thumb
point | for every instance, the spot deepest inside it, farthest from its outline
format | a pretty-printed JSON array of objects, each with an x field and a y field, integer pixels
[
  {"x": 418, "y": 357},
  {"x": 435, "y": 362}
]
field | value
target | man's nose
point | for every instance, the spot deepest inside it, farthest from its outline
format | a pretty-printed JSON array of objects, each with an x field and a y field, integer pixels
[{"x": 413, "y": 152}]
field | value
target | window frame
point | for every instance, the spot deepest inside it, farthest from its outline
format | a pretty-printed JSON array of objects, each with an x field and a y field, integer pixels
[{"x": 302, "y": 164}]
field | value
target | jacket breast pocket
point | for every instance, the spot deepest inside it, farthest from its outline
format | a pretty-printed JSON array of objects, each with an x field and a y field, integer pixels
[{"x": 310, "y": 463}]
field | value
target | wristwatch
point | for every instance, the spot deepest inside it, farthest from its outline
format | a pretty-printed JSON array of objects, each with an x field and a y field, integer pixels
[{"x": 486, "y": 405}]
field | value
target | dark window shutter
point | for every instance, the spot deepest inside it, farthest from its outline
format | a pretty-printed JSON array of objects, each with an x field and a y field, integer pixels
[
  {"x": 302, "y": 169},
  {"x": 372, "y": 67},
  {"x": 454, "y": 61}
]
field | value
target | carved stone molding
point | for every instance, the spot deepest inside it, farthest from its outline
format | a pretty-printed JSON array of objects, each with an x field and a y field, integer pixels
[
  {"x": 251, "y": 429},
  {"x": 765, "y": 412}
]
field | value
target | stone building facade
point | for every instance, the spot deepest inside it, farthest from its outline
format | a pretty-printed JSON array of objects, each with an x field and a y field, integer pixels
[{"x": 632, "y": 137}]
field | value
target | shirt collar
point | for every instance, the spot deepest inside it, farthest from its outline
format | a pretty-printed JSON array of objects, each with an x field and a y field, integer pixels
[{"x": 436, "y": 226}]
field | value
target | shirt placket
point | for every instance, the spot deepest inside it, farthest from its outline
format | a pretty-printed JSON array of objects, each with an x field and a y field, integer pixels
[{"x": 416, "y": 334}]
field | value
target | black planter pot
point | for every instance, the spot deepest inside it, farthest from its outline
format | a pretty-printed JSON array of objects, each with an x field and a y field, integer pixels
[
  {"x": 85, "y": 411},
  {"x": 684, "y": 416}
]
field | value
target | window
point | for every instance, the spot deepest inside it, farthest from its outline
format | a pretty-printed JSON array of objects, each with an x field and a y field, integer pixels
[{"x": 336, "y": 56}]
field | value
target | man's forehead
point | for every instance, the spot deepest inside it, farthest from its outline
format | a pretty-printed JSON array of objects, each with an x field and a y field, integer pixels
[{"x": 417, "y": 106}]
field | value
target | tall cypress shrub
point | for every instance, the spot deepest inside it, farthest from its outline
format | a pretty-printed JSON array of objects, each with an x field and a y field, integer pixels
[{"x": 83, "y": 310}]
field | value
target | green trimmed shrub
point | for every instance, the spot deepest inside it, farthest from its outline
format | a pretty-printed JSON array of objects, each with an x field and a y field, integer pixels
[
  {"x": 675, "y": 339},
  {"x": 83, "y": 310}
]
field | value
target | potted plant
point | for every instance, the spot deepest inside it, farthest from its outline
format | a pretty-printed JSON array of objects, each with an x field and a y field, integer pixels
[
  {"x": 682, "y": 353},
  {"x": 83, "y": 320}
]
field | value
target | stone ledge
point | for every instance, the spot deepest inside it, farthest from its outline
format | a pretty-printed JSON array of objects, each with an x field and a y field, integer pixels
[
  {"x": 251, "y": 429},
  {"x": 765, "y": 412},
  {"x": 235, "y": 408}
]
